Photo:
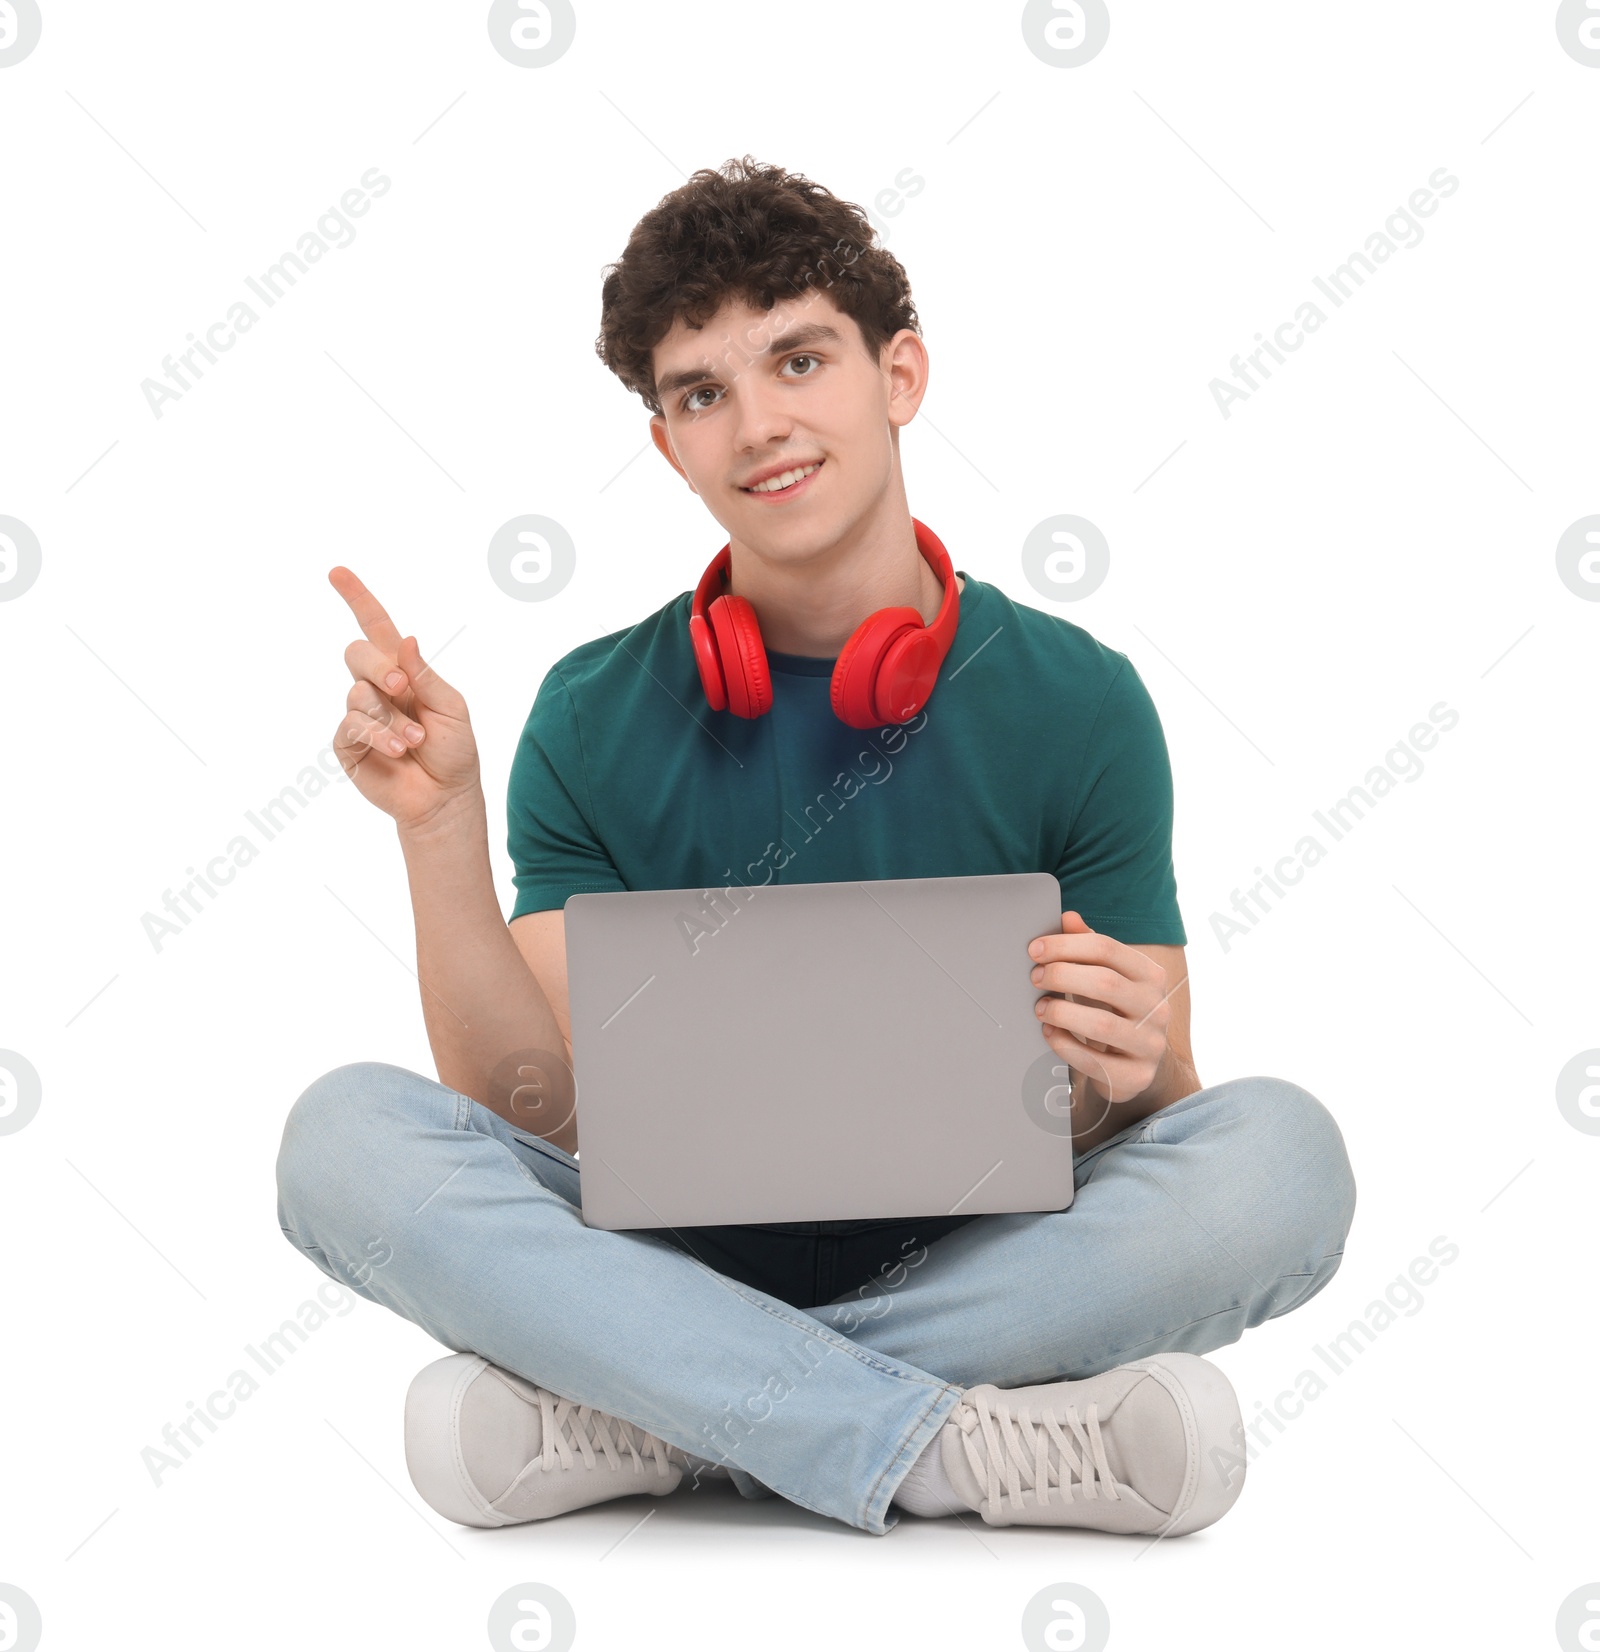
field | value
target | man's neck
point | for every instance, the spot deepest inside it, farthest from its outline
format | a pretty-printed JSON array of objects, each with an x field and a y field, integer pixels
[{"x": 812, "y": 607}]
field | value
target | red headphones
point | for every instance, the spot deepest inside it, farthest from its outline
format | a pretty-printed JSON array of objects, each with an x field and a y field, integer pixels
[{"x": 885, "y": 671}]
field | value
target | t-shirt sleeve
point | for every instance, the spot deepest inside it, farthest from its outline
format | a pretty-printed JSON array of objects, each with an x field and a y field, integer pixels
[
  {"x": 555, "y": 848},
  {"x": 1116, "y": 866}
]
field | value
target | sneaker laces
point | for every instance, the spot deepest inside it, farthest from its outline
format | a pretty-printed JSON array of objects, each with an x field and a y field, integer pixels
[
  {"x": 565, "y": 1426},
  {"x": 1014, "y": 1444}
]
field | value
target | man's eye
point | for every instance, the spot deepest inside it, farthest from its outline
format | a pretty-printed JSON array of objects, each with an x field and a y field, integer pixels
[
  {"x": 690, "y": 405},
  {"x": 794, "y": 359}
]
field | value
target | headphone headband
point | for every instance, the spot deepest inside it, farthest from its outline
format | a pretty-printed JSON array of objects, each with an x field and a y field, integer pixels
[{"x": 884, "y": 673}]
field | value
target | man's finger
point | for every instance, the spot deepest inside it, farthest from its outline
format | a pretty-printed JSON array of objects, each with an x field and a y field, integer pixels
[
  {"x": 383, "y": 712},
  {"x": 428, "y": 688},
  {"x": 1090, "y": 981},
  {"x": 369, "y": 612},
  {"x": 1090, "y": 1025},
  {"x": 360, "y": 737},
  {"x": 368, "y": 663},
  {"x": 1090, "y": 946},
  {"x": 1071, "y": 924}
]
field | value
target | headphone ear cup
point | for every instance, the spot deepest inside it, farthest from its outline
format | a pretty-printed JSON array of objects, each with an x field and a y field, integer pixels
[
  {"x": 905, "y": 679},
  {"x": 743, "y": 656},
  {"x": 853, "y": 689},
  {"x": 704, "y": 644}
]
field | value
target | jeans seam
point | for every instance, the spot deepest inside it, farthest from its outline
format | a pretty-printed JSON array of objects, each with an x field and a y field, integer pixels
[
  {"x": 911, "y": 1429},
  {"x": 462, "y": 1125},
  {"x": 1121, "y": 1139},
  {"x": 1335, "y": 1257}
]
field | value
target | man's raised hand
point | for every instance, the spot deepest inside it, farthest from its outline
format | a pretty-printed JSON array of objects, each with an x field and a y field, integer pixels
[{"x": 406, "y": 739}]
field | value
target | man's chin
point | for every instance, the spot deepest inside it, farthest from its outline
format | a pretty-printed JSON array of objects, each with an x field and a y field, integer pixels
[{"x": 784, "y": 537}]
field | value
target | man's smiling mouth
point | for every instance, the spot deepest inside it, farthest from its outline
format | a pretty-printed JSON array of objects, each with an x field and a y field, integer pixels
[{"x": 785, "y": 480}]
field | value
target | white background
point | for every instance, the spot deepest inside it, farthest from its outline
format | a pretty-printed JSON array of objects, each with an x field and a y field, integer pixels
[{"x": 1298, "y": 583}]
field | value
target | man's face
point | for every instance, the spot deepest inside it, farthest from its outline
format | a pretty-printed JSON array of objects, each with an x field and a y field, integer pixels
[{"x": 762, "y": 391}]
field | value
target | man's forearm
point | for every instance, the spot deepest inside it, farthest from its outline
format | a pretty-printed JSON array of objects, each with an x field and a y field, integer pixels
[{"x": 480, "y": 1002}]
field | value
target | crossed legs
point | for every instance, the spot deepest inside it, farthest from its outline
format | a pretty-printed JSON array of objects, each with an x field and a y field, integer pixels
[{"x": 1220, "y": 1211}]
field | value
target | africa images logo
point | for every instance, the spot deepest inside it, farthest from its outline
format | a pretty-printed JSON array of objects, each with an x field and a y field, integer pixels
[{"x": 20, "y": 26}]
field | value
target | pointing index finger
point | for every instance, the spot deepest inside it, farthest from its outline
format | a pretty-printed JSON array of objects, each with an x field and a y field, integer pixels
[{"x": 372, "y": 615}]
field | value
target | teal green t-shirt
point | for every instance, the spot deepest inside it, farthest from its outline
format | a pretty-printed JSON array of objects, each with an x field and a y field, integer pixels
[{"x": 1039, "y": 750}]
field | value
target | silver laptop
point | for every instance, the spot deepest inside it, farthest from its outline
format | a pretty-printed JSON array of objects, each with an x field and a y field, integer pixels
[{"x": 815, "y": 1052}]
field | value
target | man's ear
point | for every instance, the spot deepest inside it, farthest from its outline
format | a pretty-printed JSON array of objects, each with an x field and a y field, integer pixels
[
  {"x": 905, "y": 364},
  {"x": 663, "y": 440}
]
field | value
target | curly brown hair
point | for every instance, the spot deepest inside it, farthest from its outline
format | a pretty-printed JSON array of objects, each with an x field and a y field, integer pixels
[{"x": 746, "y": 231}]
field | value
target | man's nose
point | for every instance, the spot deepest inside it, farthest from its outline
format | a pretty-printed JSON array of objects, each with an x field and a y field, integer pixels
[{"x": 760, "y": 419}]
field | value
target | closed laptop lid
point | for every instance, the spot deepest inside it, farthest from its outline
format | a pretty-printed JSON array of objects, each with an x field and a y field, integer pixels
[{"x": 815, "y": 1052}]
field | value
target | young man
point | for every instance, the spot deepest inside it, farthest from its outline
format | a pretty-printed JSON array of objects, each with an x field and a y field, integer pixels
[{"x": 1035, "y": 1368}]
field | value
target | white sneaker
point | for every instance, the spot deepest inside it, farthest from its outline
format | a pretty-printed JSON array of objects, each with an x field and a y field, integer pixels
[
  {"x": 1127, "y": 1451},
  {"x": 486, "y": 1448}
]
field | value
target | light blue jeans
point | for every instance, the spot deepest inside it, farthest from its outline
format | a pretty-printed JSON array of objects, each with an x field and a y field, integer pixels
[{"x": 1227, "y": 1208}]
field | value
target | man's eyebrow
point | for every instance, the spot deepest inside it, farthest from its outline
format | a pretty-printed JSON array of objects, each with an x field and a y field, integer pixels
[{"x": 809, "y": 332}]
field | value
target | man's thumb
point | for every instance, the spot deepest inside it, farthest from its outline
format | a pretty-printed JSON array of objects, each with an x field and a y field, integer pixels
[{"x": 426, "y": 683}]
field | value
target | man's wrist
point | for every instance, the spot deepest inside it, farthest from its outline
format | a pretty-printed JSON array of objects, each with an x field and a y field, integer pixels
[{"x": 462, "y": 819}]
